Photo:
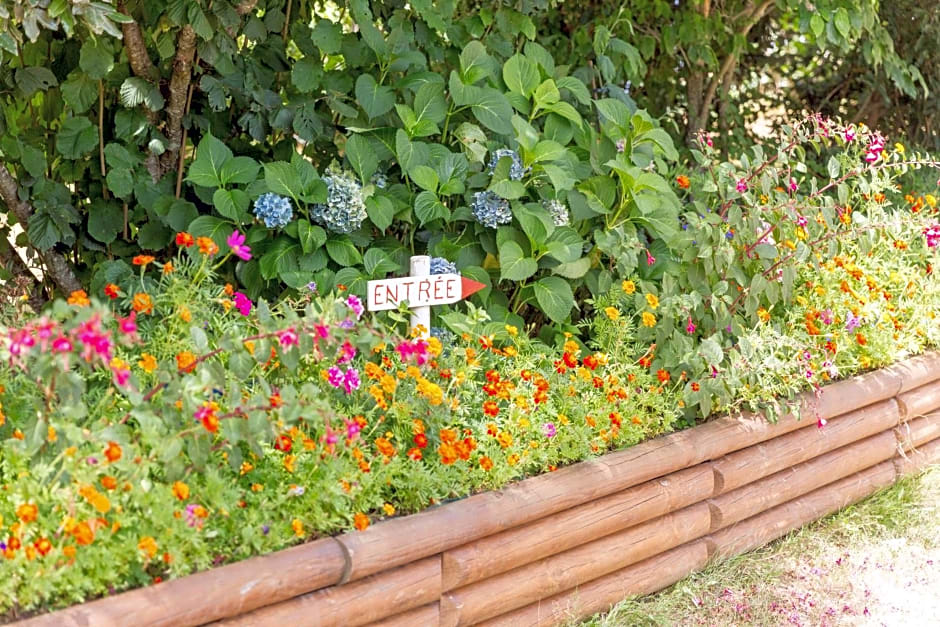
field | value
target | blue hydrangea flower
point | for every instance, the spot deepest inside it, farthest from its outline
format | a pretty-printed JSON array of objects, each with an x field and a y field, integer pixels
[
  {"x": 490, "y": 210},
  {"x": 516, "y": 171},
  {"x": 345, "y": 209},
  {"x": 439, "y": 265},
  {"x": 275, "y": 211},
  {"x": 558, "y": 211},
  {"x": 379, "y": 180},
  {"x": 444, "y": 335}
]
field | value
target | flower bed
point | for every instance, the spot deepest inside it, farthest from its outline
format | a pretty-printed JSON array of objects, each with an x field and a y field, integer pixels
[{"x": 571, "y": 543}]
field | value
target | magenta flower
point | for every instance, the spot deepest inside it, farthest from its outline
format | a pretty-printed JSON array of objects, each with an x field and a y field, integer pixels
[
  {"x": 417, "y": 349},
  {"x": 650, "y": 259},
  {"x": 236, "y": 241},
  {"x": 849, "y": 134},
  {"x": 121, "y": 376},
  {"x": 242, "y": 303},
  {"x": 288, "y": 337},
  {"x": 932, "y": 233},
  {"x": 549, "y": 430},
  {"x": 801, "y": 220},
  {"x": 793, "y": 185},
  {"x": 690, "y": 328},
  {"x": 61, "y": 344},
  {"x": 334, "y": 376},
  {"x": 351, "y": 380},
  {"x": 128, "y": 325},
  {"x": 741, "y": 186},
  {"x": 346, "y": 353},
  {"x": 355, "y": 304},
  {"x": 352, "y": 429}
]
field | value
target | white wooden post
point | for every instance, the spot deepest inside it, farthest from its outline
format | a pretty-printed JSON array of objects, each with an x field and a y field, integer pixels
[{"x": 421, "y": 267}]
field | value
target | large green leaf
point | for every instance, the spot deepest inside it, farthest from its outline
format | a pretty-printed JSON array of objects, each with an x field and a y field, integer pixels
[
  {"x": 211, "y": 155},
  {"x": 77, "y": 137},
  {"x": 232, "y": 203},
  {"x": 521, "y": 75},
  {"x": 375, "y": 99},
  {"x": 96, "y": 58},
  {"x": 555, "y": 297},
  {"x": 513, "y": 264},
  {"x": 360, "y": 154},
  {"x": 243, "y": 170},
  {"x": 343, "y": 251},
  {"x": 429, "y": 103},
  {"x": 281, "y": 178},
  {"x": 493, "y": 111},
  {"x": 105, "y": 221},
  {"x": 33, "y": 79}
]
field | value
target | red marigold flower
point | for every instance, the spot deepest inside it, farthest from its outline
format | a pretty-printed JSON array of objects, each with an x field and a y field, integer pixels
[
  {"x": 490, "y": 408},
  {"x": 696, "y": 387},
  {"x": 590, "y": 362},
  {"x": 570, "y": 360},
  {"x": 283, "y": 443},
  {"x": 143, "y": 260},
  {"x": 420, "y": 440},
  {"x": 185, "y": 239},
  {"x": 683, "y": 181},
  {"x": 486, "y": 463},
  {"x": 112, "y": 291},
  {"x": 662, "y": 375}
]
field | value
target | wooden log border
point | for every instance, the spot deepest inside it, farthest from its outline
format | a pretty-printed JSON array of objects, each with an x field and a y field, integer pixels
[{"x": 560, "y": 546}]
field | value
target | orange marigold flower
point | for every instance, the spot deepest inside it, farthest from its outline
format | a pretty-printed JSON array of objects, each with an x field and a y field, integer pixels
[
  {"x": 861, "y": 339},
  {"x": 186, "y": 361},
  {"x": 486, "y": 463},
  {"x": 168, "y": 267},
  {"x": 79, "y": 298},
  {"x": 108, "y": 482},
  {"x": 112, "y": 291},
  {"x": 504, "y": 438},
  {"x": 184, "y": 239},
  {"x": 298, "y": 527},
  {"x": 143, "y": 260},
  {"x": 683, "y": 181},
  {"x": 113, "y": 452},
  {"x": 142, "y": 303},
  {"x": 27, "y": 512},
  {"x": 207, "y": 246},
  {"x": 148, "y": 546},
  {"x": 180, "y": 490},
  {"x": 490, "y": 408},
  {"x": 361, "y": 521},
  {"x": 415, "y": 454},
  {"x": 148, "y": 362},
  {"x": 384, "y": 447}
]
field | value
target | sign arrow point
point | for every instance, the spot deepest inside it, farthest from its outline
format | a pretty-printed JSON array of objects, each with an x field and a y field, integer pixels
[{"x": 469, "y": 286}]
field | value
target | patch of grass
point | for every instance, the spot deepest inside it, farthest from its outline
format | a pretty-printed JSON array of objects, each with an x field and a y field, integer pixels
[{"x": 877, "y": 561}]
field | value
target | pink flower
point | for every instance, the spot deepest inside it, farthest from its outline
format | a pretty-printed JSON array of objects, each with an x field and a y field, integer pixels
[
  {"x": 801, "y": 221},
  {"x": 128, "y": 325},
  {"x": 417, "y": 349},
  {"x": 351, "y": 380},
  {"x": 690, "y": 328},
  {"x": 242, "y": 303},
  {"x": 353, "y": 302},
  {"x": 741, "y": 186},
  {"x": 322, "y": 330},
  {"x": 352, "y": 429},
  {"x": 61, "y": 344},
  {"x": 932, "y": 233},
  {"x": 347, "y": 352},
  {"x": 650, "y": 259},
  {"x": 334, "y": 376},
  {"x": 793, "y": 185},
  {"x": 849, "y": 134},
  {"x": 121, "y": 376},
  {"x": 236, "y": 242},
  {"x": 549, "y": 430},
  {"x": 288, "y": 337},
  {"x": 821, "y": 422}
]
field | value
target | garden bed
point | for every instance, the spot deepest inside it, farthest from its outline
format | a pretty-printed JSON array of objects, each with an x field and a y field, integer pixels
[{"x": 570, "y": 543}]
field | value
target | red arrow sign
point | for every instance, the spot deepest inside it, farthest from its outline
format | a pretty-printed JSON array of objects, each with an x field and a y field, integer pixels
[{"x": 469, "y": 286}]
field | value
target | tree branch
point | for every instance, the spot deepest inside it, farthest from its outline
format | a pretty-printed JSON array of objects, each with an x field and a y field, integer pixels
[
  {"x": 137, "y": 53},
  {"x": 179, "y": 90},
  {"x": 57, "y": 266}
]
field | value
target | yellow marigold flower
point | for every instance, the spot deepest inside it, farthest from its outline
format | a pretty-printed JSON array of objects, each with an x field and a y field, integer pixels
[
  {"x": 628, "y": 287},
  {"x": 899, "y": 148},
  {"x": 931, "y": 200},
  {"x": 142, "y": 303},
  {"x": 652, "y": 301},
  {"x": 763, "y": 315},
  {"x": 249, "y": 346},
  {"x": 511, "y": 330},
  {"x": 571, "y": 347},
  {"x": 649, "y": 320},
  {"x": 185, "y": 314},
  {"x": 612, "y": 312},
  {"x": 434, "y": 346},
  {"x": 389, "y": 509},
  {"x": 51, "y": 435},
  {"x": 246, "y": 467},
  {"x": 256, "y": 487}
]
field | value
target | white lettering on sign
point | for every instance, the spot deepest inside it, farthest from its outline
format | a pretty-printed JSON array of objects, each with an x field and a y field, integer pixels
[{"x": 436, "y": 289}]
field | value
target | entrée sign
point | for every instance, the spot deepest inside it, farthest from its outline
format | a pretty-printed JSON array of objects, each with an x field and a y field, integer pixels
[{"x": 420, "y": 291}]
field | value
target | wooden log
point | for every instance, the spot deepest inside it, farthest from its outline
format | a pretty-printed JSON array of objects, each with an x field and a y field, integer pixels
[
  {"x": 424, "y": 616},
  {"x": 401, "y": 540},
  {"x": 777, "y": 521},
  {"x": 600, "y": 594},
  {"x": 213, "y": 594},
  {"x": 380, "y": 596},
  {"x": 919, "y": 431},
  {"x": 919, "y": 401},
  {"x": 519, "y": 587},
  {"x": 559, "y": 532},
  {"x": 912, "y": 462},
  {"x": 743, "y": 467},
  {"x": 788, "y": 484},
  {"x": 917, "y": 371}
]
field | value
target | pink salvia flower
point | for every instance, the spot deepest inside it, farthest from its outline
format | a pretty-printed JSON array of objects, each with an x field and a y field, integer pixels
[
  {"x": 650, "y": 259},
  {"x": 236, "y": 241},
  {"x": 121, "y": 376}
]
